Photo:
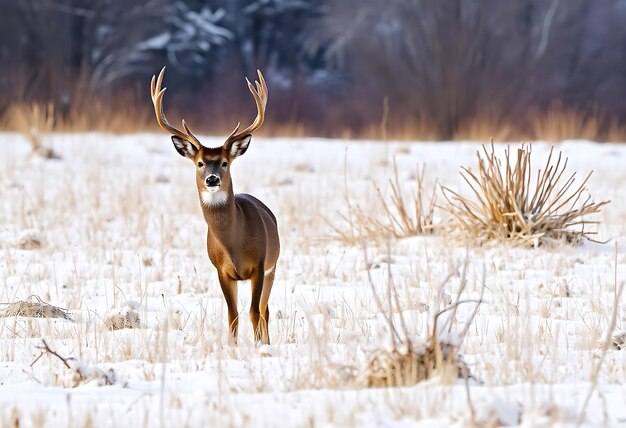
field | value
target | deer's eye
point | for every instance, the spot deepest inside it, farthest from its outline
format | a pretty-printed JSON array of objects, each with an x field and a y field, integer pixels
[
  {"x": 224, "y": 164},
  {"x": 200, "y": 164}
]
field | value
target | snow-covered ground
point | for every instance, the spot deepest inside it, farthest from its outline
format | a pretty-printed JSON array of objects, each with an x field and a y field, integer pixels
[{"x": 120, "y": 228}]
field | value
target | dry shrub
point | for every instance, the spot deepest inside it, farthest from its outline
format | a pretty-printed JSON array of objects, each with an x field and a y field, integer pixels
[
  {"x": 33, "y": 307},
  {"x": 510, "y": 206},
  {"x": 33, "y": 121},
  {"x": 408, "y": 361},
  {"x": 122, "y": 320},
  {"x": 410, "y": 364},
  {"x": 29, "y": 239},
  {"x": 400, "y": 358},
  {"x": 399, "y": 218}
]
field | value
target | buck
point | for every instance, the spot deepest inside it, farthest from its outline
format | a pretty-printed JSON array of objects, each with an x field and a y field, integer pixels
[{"x": 242, "y": 237}]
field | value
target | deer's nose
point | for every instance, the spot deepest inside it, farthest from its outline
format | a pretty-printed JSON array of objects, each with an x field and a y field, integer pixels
[{"x": 212, "y": 181}]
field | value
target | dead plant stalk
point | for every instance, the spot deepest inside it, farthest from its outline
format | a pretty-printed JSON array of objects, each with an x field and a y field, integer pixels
[{"x": 398, "y": 219}]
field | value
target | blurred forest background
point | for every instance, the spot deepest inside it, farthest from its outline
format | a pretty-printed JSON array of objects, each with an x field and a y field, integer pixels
[{"x": 430, "y": 69}]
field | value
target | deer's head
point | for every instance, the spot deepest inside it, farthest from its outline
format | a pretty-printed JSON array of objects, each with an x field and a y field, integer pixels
[{"x": 212, "y": 164}]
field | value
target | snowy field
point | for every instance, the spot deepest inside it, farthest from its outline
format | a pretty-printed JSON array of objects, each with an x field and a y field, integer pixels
[{"x": 115, "y": 225}]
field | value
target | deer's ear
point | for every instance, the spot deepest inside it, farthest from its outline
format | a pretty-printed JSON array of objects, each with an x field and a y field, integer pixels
[
  {"x": 184, "y": 147},
  {"x": 239, "y": 147}
]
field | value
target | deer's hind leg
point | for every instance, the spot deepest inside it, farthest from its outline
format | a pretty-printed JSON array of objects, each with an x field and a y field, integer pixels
[
  {"x": 264, "y": 305},
  {"x": 257, "y": 281}
]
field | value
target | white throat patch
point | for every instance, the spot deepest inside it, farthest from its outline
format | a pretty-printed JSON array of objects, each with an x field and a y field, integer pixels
[{"x": 213, "y": 198}]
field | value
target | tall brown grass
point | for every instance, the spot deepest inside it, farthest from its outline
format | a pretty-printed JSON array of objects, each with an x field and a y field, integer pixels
[
  {"x": 558, "y": 123},
  {"x": 34, "y": 119},
  {"x": 130, "y": 113}
]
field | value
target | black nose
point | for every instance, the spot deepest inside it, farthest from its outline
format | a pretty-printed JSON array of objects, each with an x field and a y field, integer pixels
[{"x": 212, "y": 180}]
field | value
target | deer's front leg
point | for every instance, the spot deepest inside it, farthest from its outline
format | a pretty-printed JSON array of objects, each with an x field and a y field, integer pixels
[{"x": 229, "y": 288}]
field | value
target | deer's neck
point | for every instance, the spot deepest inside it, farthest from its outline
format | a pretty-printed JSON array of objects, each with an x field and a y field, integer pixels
[{"x": 220, "y": 212}]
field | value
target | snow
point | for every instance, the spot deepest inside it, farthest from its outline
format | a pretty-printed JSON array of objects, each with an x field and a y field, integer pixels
[{"x": 119, "y": 227}]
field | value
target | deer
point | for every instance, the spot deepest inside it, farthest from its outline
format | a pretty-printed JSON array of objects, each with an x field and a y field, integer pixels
[{"x": 242, "y": 232}]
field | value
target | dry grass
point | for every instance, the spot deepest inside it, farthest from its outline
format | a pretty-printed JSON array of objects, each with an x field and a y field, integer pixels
[
  {"x": 33, "y": 307},
  {"x": 37, "y": 119},
  {"x": 392, "y": 128},
  {"x": 400, "y": 357},
  {"x": 510, "y": 206},
  {"x": 409, "y": 361},
  {"x": 29, "y": 239},
  {"x": 34, "y": 121},
  {"x": 408, "y": 219},
  {"x": 131, "y": 112},
  {"x": 485, "y": 126},
  {"x": 558, "y": 123},
  {"x": 408, "y": 365},
  {"x": 399, "y": 217},
  {"x": 122, "y": 320}
]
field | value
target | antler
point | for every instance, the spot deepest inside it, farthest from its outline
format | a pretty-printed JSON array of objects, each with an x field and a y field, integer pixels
[
  {"x": 260, "y": 97},
  {"x": 157, "y": 99}
]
